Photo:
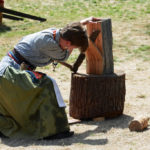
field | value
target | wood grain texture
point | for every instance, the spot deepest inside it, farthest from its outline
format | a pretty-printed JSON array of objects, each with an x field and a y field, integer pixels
[
  {"x": 97, "y": 95},
  {"x": 99, "y": 55}
]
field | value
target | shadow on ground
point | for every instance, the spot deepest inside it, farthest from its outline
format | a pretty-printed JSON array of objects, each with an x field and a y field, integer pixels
[
  {"x": 4, "y": 28},
  {"x": 82, "y": 138}
]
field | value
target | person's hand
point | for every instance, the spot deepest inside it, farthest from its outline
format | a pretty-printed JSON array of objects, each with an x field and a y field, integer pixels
[{"x": 87, "y": 20}]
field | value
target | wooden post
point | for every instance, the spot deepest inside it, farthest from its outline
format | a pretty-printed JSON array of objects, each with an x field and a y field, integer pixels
[
  {"x": 1, "y": 15},
  {"x": 97, "y": 95},
  {"x": 100, "y": 92}
]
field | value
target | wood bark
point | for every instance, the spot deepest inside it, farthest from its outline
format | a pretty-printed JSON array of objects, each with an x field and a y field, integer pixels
[
  {"x": 99, "y": 56},
  {"x": 97, "y": 95},
  {"x": 139, "y": 123}
]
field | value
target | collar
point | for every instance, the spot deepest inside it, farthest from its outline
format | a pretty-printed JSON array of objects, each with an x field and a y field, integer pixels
[{"x": 57, "y": 35}]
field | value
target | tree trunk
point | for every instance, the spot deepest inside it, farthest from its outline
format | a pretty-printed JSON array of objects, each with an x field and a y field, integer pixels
[{"x": 97, "y": 95}]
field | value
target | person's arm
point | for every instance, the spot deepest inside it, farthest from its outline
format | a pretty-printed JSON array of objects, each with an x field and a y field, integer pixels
[
  {"x": 86, "y": 20},
  {"x": 66, "y": 65},
  {"x": 77, "y": 63}
]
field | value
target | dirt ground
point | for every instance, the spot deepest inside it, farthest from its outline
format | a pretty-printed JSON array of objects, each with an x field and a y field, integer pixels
[{"x": 112, "y": 134}]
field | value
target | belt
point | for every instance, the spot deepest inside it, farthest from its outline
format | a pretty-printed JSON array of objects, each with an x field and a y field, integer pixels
[{"x": 20, "y": 59}]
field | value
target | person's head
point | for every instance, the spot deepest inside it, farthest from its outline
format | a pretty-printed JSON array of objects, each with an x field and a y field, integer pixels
[{"x": 75, "y": 35}]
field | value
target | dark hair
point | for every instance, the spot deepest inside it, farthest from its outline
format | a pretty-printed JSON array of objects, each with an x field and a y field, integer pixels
[{"x": 76, "y": 34}]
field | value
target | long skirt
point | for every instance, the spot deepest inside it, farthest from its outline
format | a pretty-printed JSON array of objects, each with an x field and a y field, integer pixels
[{"x": 29, "y": 107}]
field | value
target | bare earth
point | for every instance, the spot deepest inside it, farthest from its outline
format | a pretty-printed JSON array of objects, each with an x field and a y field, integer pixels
[{"x": 112, "y": 134}]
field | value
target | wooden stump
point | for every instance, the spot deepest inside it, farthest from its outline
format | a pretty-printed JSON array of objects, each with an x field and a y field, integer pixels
[
  {"x": 97, "y": 95},
  {"x": 100, "y": 92}
]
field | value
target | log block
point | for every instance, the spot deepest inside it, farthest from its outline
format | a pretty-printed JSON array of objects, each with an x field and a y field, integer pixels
[
  {"x": 97, "y": 95},
  {"x": 99, "y": 56},
  {"x": 139, "y": 123}
]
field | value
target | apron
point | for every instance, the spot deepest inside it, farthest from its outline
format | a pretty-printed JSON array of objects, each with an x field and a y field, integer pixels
[{"x": 29, "y": 106}]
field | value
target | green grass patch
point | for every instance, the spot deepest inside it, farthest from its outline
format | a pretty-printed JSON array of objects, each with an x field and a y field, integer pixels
[
  {"x": 61, "y": 12},
  {"x": 143, "y": 52}
]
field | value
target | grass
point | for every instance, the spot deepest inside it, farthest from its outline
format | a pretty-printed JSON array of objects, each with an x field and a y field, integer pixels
[
  {"x": 142, "y": 51},
  {"x": 60, "y": 12}
]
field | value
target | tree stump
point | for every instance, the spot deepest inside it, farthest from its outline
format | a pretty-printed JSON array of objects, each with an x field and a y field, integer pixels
[
  {"x": 97, "y": 96},
  {"x": 100, "y": 92},
  {"x": 1, "y": 15}
]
